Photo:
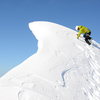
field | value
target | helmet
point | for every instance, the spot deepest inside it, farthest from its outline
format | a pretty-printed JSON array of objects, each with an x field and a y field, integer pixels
[{"x": 77, "y": 28}]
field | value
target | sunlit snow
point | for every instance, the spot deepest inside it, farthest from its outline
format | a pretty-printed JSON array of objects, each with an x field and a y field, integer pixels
[{"x": 64, "y": 68}]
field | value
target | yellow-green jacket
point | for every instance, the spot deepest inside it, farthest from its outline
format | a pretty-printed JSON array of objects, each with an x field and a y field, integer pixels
[{"x": 82, "y": 30}]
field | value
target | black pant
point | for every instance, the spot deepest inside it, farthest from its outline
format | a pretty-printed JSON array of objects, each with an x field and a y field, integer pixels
[{"x": 87, "y": 37}]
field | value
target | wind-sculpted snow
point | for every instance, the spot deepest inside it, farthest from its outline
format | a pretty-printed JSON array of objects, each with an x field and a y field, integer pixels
[{"x": 64, "y": 68}]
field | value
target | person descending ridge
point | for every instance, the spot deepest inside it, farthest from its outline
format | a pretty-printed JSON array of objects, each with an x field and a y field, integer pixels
[{"x": 84, "y": 30}]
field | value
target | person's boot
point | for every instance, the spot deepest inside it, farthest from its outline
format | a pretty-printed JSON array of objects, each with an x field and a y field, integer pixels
[{"x": 87, "y": 40}]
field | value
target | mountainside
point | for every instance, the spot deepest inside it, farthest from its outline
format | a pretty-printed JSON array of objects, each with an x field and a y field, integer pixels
[{"x": 64, "y": 68}]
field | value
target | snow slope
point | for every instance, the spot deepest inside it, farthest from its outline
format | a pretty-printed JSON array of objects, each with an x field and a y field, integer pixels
[{"x": 64, "y": 68}]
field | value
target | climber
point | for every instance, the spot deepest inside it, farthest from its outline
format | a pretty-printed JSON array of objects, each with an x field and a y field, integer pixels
[{"x": 84, "y": 30}]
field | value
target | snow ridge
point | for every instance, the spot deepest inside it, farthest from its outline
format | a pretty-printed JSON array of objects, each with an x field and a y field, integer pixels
[{"x": 64, "y": 68}]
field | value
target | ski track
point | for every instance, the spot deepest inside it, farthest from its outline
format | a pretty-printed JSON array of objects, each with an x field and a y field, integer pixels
[{"x": 64, "y": 73}]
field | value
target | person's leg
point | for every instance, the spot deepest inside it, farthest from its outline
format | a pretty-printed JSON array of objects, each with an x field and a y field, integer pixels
[
  {"x": 84, "y": 35},
  {"x": 87, "y": 38}
]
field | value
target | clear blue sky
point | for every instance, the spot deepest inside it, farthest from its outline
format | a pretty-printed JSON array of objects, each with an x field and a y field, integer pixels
[{"x": 16, "y": 40}]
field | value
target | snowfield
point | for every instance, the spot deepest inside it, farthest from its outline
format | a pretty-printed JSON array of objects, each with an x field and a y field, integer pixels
[{"x": 64, "y": 68}]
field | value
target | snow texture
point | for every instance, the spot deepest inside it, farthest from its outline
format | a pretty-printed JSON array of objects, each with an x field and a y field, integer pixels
[{"x": 64, "y": 68}]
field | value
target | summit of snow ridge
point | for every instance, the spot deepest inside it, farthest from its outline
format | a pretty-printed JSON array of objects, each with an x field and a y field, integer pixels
[
  {"x": 53, "y": 36},
  {"x": 48, "y": 30}
]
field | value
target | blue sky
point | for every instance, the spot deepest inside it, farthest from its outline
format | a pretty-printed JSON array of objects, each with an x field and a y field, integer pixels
[{"x": 17, "y": 43}]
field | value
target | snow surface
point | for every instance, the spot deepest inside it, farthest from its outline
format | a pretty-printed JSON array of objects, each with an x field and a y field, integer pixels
[{"x": 64, "y": 68}]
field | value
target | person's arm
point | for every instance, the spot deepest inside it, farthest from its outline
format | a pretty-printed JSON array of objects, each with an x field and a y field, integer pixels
[{"x": 79, "y": 33}]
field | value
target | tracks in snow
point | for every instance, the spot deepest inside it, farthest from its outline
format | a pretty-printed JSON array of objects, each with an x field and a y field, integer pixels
[
  {"x": 39, "y": 88},
  {"x": 93, "y": 90}
]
